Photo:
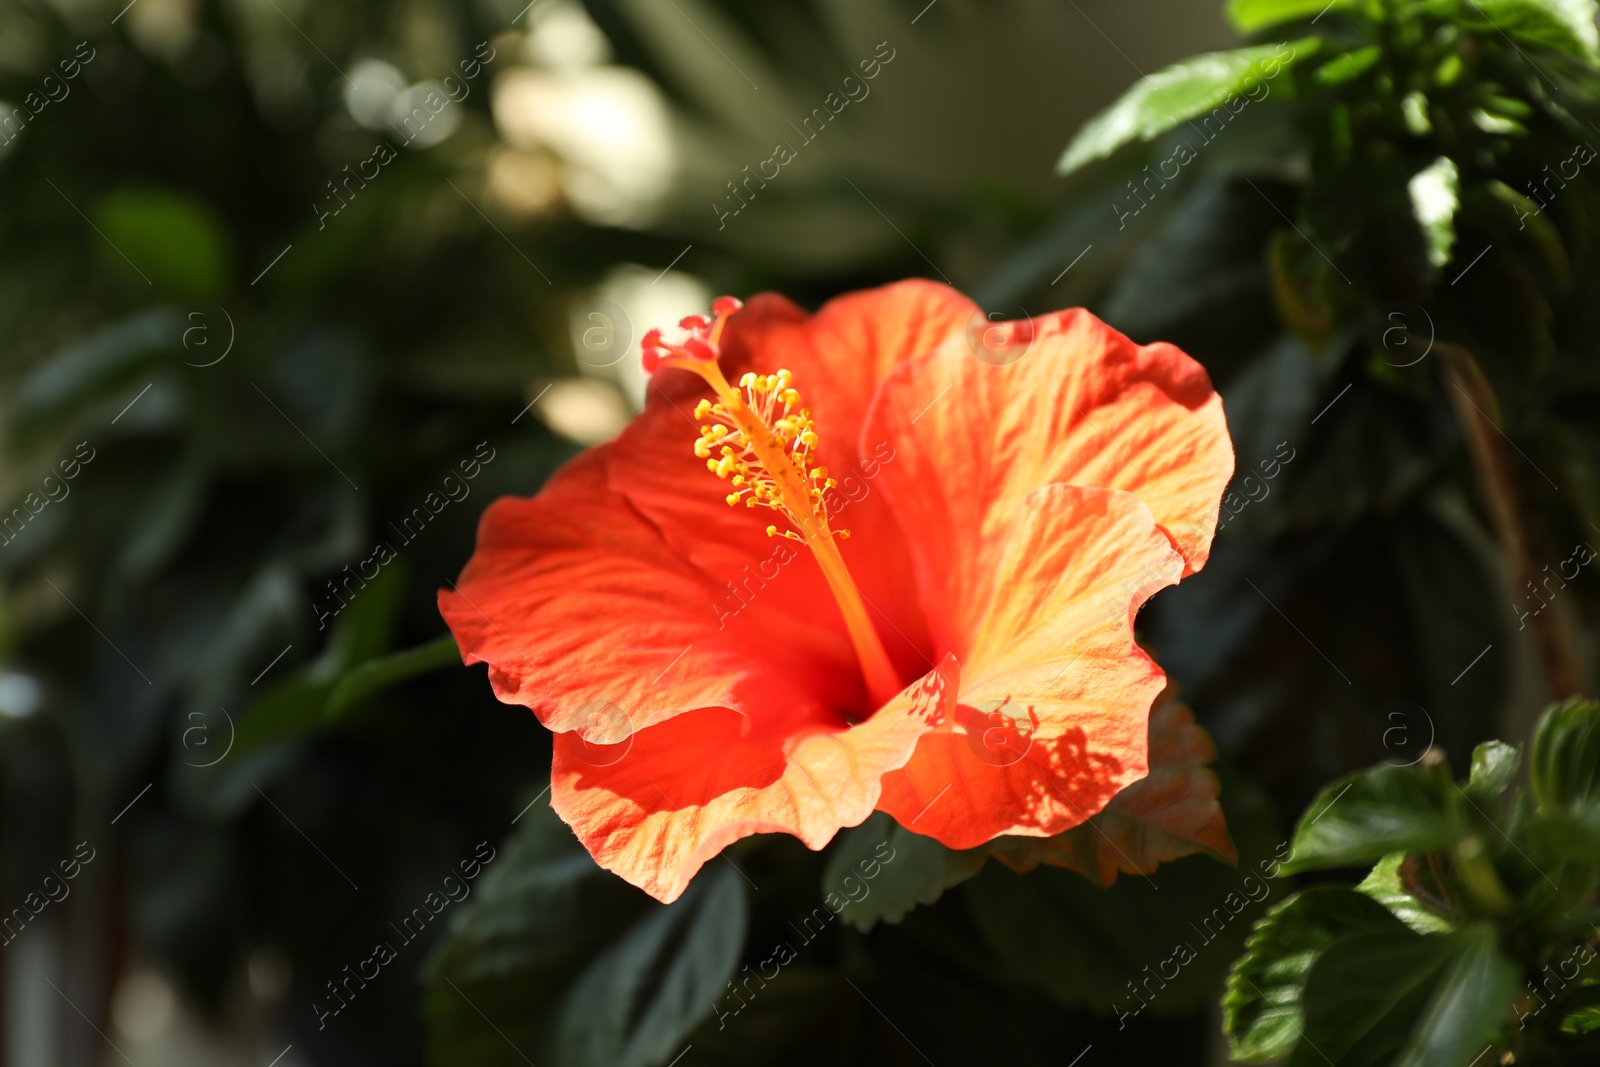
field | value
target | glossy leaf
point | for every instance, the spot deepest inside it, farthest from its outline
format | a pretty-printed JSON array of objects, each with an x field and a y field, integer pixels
[
  {"x": 1263, "y": 1010},
  {"x": 1252, "y": 15},
  {"x": 1348, "y": 66},
  {"x": 1494, "y": 768},
  {"x": 1160, "y": 101},
  {"x": 1363, "y": 995},
  {"x": 1564, "y": 760},
  {"x": 1362, "y": 818},
  {"x": 1564, "y": 25},
  {"x": 1469, "y": 1006},
  {"x": 1384, "y": 884}
]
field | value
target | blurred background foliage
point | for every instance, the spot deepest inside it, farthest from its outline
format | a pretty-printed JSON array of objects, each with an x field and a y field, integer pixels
[{"x": 286, "y": 271}]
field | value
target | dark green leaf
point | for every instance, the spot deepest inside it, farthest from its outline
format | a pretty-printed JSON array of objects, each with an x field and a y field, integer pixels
[
  {"x": 1363, "y": 995},
  {"x": 1494, "y": 768},
  {"x": 1176, "y": 930},
  {"x": 1564, "y": 760},
  {"x": 1469, "y": 1006},
  {"x": 101, "y": 362},
  {"x": 1386, "y": 887},
  {"x": 568, "y": 964},
  {"x": 378, "y": 674},
  {"x": 881, "y": 870},
  {"x": 1263, "y": 1013},
  {"x": 361, "y": 632},
  {"x": 1160, "y": 101},
  {"x": 1360, "y": 819}
]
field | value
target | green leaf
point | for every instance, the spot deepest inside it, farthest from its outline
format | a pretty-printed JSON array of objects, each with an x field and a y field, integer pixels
[
  {"x": 1087, "y": 946},
  {"x": 568, "y": 964},
  {"x": 1384, "y": 885},
  {"x": 361, "y": 633},
  {"x": 378, "y": 674},
  {"x": 1363, "y": 994},
  {"x": 1162, "y": 100},
  {"x": 1564, "y": 25},
  {"x": 1435, "y": 195},
  {"x": 1469, "y": 1005},
  {"x": 1262, "y": 1009},
  {"x": 170, "y": 238},
  {"x": 1360, "y": 819},
  {"x": 103, "y": 361},
  {"x": 1252, "y": 15},
  {"x": 1494, "y": 768},
  {"x": 1564, "y": 759},
  {"x": 881, "y": 870},
  {"x": 1170, "y": 813},
  {"x": 1348, "y": 66}
]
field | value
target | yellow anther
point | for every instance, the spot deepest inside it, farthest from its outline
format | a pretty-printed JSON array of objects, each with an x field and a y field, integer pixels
[{"x": 759, "y": 436}]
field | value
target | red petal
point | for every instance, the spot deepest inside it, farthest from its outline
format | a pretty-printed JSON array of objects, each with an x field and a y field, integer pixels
[
  {"x": 585, "y": 615},
  {"x": 838, "y": 357},
  {"x": 1055, "y": 695},
  {"x": 658, "y": 806}
]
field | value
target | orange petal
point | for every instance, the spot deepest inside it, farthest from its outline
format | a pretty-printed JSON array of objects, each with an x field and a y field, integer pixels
[
  {"x": 1170, "y": 814},
  {"x": 1080, "y": 404},
  {"x": 656, "y": 807},
  {"x": 1055, "y": 695},
  {"x": 840, "y": 354},
  {"x": 584, "y": 614}
]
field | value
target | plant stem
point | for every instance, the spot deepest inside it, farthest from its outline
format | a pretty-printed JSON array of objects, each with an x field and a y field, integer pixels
[{"x": 1478, "y": 408}]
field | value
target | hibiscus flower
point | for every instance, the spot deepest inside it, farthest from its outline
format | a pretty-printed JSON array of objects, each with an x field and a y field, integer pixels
[{"x": 912, "y": 590}]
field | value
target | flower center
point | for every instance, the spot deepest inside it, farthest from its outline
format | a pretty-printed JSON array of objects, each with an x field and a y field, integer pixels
[{"x": 759, "y": 439}]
